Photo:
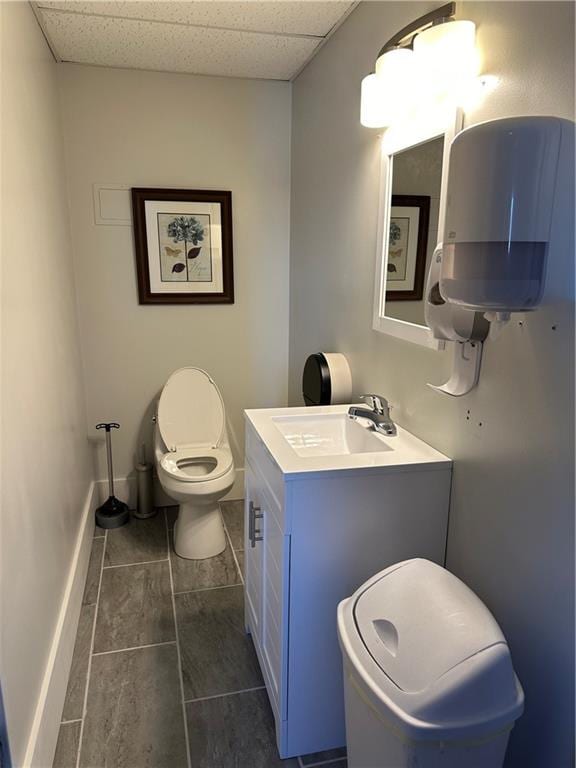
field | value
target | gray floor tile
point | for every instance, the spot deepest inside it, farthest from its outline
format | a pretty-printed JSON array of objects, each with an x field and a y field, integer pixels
[
  {"x": 137, "y": 542},
  {"x": 337, "y": 755},
  {"x": 217, "y": 571},
  {"x": 93, "y": 576},
  {"x": 234, "y": 732},
  {"x": 171, "y": 516},
  {"x": 67, "y": 746},
  {"x": 99, "y": 533},
  {"x": 74, "y": 702},
  {"x": 233, "y": 513},
  {"x": 134, "y": 716},
  {"x": 135, "y": 607},
  {"x": 217, "y": 655}
]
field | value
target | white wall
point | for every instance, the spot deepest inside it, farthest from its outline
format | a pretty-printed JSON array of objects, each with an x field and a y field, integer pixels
[
  {"x": 511, "y": 525},
  {"x": 45, "y": 454},
  {"x": 156, "y": 129}
]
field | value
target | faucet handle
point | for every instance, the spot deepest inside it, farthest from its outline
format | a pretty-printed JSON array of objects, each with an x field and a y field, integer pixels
[{"x": 378, "y": 403}]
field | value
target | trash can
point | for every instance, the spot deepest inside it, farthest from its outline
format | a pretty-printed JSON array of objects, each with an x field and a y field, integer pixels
[{"x": 428, "y": 678}]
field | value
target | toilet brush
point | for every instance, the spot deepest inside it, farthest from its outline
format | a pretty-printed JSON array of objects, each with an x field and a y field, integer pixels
[{"x": 113, "y": 513}]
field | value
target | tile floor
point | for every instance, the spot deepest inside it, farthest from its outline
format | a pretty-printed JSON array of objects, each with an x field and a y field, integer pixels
[{"x": 163, "y": 674}]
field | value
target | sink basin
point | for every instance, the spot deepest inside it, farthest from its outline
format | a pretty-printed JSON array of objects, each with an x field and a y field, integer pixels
[
  {"x": 328, "y": 435},
  {"x": 306, "y": 440}
]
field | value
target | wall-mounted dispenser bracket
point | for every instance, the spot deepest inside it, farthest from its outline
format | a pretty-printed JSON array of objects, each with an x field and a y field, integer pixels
[
  {"x": 467, "y": 356},
  {"x": 465, "y": 329}
]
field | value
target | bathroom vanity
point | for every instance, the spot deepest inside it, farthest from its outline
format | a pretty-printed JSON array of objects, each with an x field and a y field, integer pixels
[{"x": 328, "y": 504}]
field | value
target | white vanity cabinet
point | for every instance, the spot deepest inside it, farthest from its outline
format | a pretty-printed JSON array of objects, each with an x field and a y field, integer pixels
[{"x": 316, "y": 527}]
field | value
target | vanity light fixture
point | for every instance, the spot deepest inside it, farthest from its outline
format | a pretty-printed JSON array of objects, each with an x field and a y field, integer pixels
[
  {"x": 434, "y": 57},
  {"x": 387, "y": 94}
]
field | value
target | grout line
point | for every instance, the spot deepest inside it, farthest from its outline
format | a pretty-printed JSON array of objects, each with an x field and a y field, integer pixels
[
  {"x": 223, "y": 695},
  {"x": 133, "y": 648},
  {"x": 300, "y": 763},
  {"x": 89, "y": 669},
  {"x": 69, "y": 722},
  {"x": 178, "y": 654},
  {"x": 207, "y": 589},
  {"x": 129, "y": 565}
]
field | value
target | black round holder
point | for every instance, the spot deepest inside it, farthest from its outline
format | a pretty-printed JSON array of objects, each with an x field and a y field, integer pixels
[{"x": 113, "y": 513}]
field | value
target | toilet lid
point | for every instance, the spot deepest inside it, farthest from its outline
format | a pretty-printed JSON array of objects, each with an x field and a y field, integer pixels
[{"x": 190, "y": 410}]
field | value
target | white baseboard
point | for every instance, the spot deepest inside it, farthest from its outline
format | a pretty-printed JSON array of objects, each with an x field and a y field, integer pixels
[
  {"x": 124, "y": 489},
  {"x": 237, "y": 491},
  {"x": 46, "y": 724}
]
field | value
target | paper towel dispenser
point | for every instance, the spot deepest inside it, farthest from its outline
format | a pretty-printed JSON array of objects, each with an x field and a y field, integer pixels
[
  {"x": 504, "y": 182},
  {"x": 502, "y": 185},
  {"x": 326, "y": 379}
]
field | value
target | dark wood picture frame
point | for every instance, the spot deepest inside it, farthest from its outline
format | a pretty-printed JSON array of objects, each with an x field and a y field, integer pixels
[
  {"x": 140, "y": 195},
  {"x": 422, "y": 202}
]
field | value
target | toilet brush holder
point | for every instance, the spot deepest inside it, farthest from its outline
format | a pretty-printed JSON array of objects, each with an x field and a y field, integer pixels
[
  {"x": 144, "y": 486},
  {"x": 113, "y": 513}
]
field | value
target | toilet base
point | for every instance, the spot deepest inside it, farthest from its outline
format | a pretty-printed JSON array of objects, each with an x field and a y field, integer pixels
[{"x": 199, "y": 531}]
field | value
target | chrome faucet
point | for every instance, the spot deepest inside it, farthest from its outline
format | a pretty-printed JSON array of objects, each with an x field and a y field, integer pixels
[{"x": 378, "y": 414}]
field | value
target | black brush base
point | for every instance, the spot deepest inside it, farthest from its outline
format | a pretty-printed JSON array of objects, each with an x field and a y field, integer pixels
[{"x": 112, "y": 514}]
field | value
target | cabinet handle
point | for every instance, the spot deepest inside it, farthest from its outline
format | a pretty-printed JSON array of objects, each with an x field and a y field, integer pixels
[
  {"x": 254, "y": 513},
  {"x": 251, "y": 521}
]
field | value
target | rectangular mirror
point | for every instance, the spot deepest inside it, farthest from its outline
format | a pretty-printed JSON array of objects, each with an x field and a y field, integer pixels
[
  {"x": 413, "y": 232},
  {"x": 412, "y": 204}
]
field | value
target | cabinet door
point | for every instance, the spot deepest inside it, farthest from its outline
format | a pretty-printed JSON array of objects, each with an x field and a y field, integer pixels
[
  {"x": 253, "y": 556},
  {"x": 276, "y": 554}
]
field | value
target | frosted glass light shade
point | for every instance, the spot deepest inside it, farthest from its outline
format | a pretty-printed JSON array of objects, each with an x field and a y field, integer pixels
[
  {"x": 396, "y": 65},
  {"x": 447, "y": 54},
  {"x": 389, "y": 92},
  {"x": 373, "y": 113}
]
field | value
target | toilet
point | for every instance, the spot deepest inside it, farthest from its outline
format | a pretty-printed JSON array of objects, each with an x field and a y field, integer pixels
[{"x": 193, "y": 460}]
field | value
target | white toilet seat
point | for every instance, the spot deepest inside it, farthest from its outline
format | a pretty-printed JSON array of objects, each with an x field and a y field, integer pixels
[
  {"x": 195, "y": 464},
  {"x": 194, "y": 461}
]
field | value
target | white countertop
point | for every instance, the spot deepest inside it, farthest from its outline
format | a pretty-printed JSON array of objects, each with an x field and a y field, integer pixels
[{"x": 321, "y": 451}]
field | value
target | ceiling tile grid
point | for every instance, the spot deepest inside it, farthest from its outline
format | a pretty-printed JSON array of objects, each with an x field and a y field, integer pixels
[
  {"x": 271, "y": 40},
  {"x": 304, "y": 17}
]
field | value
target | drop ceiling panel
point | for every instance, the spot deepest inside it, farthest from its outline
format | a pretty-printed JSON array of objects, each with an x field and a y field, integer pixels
[
  {"x": 304, "y": 18},
  {"x": 119, "y": 42}
]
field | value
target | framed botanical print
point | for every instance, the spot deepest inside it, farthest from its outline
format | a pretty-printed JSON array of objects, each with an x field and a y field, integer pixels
[
  {"x": 183, "y": 242},
  {"x": 408, "y": 239}
]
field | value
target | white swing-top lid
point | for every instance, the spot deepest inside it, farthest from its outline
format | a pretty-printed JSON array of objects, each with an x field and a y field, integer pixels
[
  {"x": 418, "y": 621},
  {"x": 190, "y": 410},
  {"x": 429, "y": 654}
]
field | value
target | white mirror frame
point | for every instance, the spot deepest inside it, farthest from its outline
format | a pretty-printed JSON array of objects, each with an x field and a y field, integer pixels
[{"x": 393, "y": 141}]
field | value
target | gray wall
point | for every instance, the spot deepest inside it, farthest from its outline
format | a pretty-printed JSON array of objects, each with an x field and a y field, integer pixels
[
  {"x": 154, "y": 129},
  {"x": 45, "y": 457},
  {"x": 511, "y": 524}
]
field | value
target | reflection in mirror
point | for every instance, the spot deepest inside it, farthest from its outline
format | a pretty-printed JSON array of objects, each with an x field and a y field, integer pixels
[{"x": 414, "y": 214}]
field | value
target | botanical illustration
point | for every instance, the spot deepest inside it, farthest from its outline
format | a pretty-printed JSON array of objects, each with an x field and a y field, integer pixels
[
  {"x": 185, "y": 249},
  {"x": 398, "y": 248}
]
